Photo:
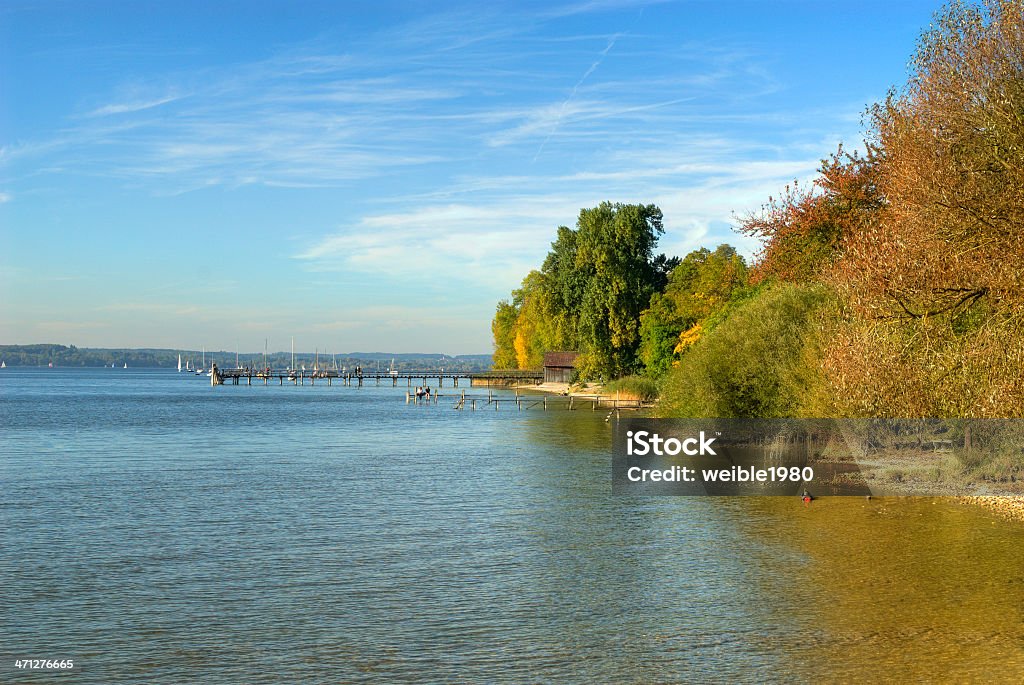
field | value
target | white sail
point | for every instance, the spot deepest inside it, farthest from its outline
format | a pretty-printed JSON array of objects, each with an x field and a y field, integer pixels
[{"x": 179, "y": 363}]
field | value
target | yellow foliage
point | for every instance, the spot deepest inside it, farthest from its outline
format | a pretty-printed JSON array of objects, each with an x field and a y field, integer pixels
[
  {"x": 688, "y": 337},
  {"x": 522, "y": 351}
]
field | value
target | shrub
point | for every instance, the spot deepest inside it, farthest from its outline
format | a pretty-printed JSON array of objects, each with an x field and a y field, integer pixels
[{"x": 759, "y": 361}]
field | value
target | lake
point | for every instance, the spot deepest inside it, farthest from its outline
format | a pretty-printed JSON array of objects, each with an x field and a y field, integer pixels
[{"x": 155, "y": 529}]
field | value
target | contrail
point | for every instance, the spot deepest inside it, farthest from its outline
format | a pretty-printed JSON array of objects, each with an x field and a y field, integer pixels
[{"x": 572, "y": 93}]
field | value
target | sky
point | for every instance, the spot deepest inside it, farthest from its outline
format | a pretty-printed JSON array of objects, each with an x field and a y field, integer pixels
[{"x": 376, "y": 176}]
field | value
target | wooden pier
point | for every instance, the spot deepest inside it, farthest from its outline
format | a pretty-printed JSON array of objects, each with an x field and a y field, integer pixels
[
  {"x": 522, "y": 402},
  {"x": 511, "y": 398},
  {"x": 301, "y": 377}
]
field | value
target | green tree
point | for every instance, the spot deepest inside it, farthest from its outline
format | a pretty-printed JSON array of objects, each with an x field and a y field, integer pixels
[
  {"x": 703, "y": 282},
  {"x": 615, "y": 244},
  {"x": 588, "y": 294},
  {"x": 565, "y": 284}
]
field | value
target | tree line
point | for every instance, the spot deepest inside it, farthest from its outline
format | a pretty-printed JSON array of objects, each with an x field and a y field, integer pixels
[
  {"x": 892, "y": 285},
  {"x": 72, "y": 356}
]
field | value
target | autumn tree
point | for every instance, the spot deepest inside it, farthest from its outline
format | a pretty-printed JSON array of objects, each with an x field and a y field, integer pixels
[
  {"x": 934, "y": 288},
  {"x": 701, "y": 283},
  {"x": 503, "y": 330},
  {"x": 803, "y": 230}
]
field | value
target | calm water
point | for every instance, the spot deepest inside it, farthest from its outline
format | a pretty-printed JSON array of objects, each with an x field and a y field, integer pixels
[{"x": 156, "y": 530}]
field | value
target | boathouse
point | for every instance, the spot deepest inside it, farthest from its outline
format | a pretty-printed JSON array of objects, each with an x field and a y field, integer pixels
[{"x": 559, "y": 366}]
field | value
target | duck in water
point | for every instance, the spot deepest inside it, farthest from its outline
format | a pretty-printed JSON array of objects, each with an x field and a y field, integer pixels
[{"x": 806, "y": 497}]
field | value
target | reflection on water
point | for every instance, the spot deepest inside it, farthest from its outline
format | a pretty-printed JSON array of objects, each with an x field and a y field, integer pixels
[
  {"x": 158, "y": 530},
  {"x": 907, "y": 590}
]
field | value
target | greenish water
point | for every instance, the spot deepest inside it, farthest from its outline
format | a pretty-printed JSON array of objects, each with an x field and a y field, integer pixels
[{"x": 157, "y": 530}]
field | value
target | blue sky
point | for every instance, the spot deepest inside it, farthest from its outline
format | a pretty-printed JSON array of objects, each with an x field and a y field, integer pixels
[{"x": 375, "y": 176}]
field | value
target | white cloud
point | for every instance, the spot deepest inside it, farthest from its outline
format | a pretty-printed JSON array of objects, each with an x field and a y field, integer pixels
[{"x": 130, "y": 107}]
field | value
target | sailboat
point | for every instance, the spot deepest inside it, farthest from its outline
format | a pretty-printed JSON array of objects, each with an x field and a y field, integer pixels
[
  {"x": 391, "y": 369},
  {"x": 199, "y": 371},
  {"x": 3, "y": 365},
  {"x": 126, "y": 365},
  {"x": 179, "y": 363}
]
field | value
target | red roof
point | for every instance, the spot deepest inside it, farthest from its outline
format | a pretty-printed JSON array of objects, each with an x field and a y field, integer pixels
[{"x": 560, "y": 359}]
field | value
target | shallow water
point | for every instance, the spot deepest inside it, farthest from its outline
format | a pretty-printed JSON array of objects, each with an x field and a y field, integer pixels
[{"x": 157, "y": 530}]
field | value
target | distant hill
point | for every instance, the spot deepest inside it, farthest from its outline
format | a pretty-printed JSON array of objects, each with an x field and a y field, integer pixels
[{"x": 61, "y": 355}]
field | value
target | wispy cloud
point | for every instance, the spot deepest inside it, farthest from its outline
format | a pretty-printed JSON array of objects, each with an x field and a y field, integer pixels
[
  {"x": 4, "y": 197},
  {"x": 590, "y": 6},
  {"x": 410, "y": 99},
  {"x": 481, "y": 242},
  {"x": 129, "y": 107}
]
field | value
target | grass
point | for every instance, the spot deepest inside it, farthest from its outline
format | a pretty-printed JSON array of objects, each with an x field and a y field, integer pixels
[{"x": 632, "y": 388}]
